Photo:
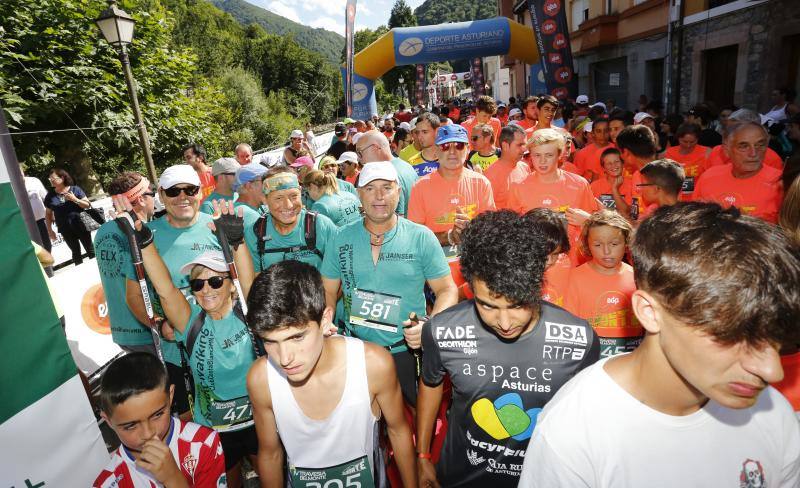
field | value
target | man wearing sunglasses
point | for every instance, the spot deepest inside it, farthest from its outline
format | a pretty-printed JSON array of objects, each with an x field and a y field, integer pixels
[
  {"x": 484, "y": 153},
  {"x": 224, "y": 171},
  {"x": 485, "y": 108},
  {"x": 180, "y": 236}
]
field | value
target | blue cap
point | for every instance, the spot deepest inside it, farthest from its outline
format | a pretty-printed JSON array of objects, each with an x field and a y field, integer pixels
[
  {"x": 451, "y": 133},
  {"x": 248, "y": 173}
]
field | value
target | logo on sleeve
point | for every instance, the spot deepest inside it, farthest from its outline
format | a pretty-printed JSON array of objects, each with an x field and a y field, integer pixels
[{"x": 565, "y": 334}]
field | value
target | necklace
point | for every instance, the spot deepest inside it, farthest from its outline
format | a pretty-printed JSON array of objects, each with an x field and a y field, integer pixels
[{"x": 377, "y": 240}]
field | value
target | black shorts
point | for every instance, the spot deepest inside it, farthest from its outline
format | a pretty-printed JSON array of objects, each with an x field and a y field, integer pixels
[
  {"x": 406, "y": 365},
  {"x": 180, "y": 400},
  {"x": 238, "y": 444}
]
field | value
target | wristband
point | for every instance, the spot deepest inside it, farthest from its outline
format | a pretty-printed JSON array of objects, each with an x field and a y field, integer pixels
[{"x": 424, "y": 455}]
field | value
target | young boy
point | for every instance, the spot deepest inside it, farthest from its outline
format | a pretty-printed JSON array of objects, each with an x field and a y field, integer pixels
[
  {"x": 661, "y": 185},
  {"x": 157, "y": 450},
  {"x": 614, "y": 189},
  {"x": 692, "y": 405},
  {"x": 320, "y": 398}
]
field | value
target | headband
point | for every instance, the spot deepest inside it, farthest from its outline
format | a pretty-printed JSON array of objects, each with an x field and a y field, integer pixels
[
  {"x": 137, "y": 190},
  {"x": 281, "y": 181}
]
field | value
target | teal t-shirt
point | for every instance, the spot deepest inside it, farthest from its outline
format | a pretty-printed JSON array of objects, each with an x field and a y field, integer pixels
[
  {"x": 116, "y": 268},
  {"x": 296, "y": 238},
  {"x": 221, "y": 356},
  {"x": 408, "y": 176},
  {"x": 260, "y": 210},
  {"x": 208, "y": 208},
  {"x": 346, "y": 186},
  {"x": 342, "y": 208},
  {"x": 178, "y": 246},
  {"x": 381, "y": 296}
]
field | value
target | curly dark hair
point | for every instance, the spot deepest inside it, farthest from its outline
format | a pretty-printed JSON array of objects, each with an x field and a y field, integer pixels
[
  {"x": 554, "y": 227},
  {"x": 508, "y": 253}
]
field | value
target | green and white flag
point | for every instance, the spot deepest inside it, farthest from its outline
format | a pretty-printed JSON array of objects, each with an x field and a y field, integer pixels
[{"x": 48, "y": 433}]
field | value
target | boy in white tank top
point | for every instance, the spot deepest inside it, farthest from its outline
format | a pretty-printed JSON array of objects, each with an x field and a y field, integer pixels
[{"x": 318, "y": 397}]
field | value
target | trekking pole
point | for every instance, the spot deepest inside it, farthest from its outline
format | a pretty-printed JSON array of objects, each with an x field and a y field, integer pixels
[
  {"x": 226, "y": 253},
  {"x": 414, "y": 318}
]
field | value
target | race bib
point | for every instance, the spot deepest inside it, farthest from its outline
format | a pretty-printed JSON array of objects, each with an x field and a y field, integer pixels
[
  {"x": 635, "y": 209},
  {"x": 608, "y": 201},
  {"x": 230, "y": 414},
  {"x": 688, "y": 185},
  {"x": 450, "y": 253},
  {"x": 352, "y": 474},
  {"x": 375, "y": 310},
  {"x": 611, "y": 346}
]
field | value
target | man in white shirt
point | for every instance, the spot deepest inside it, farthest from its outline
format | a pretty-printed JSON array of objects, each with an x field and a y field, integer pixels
[
  {"x": 692, "y": 406},
  {"x": 36, "y": 194}
]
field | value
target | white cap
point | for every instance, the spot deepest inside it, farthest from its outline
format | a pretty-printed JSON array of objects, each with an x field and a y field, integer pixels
[
  {"x": 347, "y": 156},
  {"x": 514, "y": 111},
  {"x": 582, "y": 100},
  {"x": 413, "y": 122},
  {"x": 640, "y": 116},
  {"x": 356, "y": 137},
  {"x": 587, "y": 127},
  {"x": 381, "y": 170},
  {"x": 296, "y": 133},
  {"x": 600, "y": 104},
  {"x": 404, "y": 125},
  {"x": 212, "y": 260},
  {"x": 177, "y": 174}
]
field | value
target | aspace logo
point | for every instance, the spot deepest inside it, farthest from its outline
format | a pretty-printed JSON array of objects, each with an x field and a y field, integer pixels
[
  {"x": 505, "y": 417},
  {"x": 410, "y": 47}
]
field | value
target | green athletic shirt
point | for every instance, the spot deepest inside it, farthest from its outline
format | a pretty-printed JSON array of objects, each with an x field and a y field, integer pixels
[
  {"x": 410, "y": 255},
  {"x": 483, "y": 161},
  {"x": 325, "y": 232},
  {"x": 407, "y": 153},
  {"x": 408, "y": 176},
  {"x": 221, "y": 356},
  {"x": 342, "y": 208},
  {"x": 208, "y": 208},
  {"x": 178, "y": 246},
  {"x": 116, "y": 268},
  {"x": 346, "y": 186}
]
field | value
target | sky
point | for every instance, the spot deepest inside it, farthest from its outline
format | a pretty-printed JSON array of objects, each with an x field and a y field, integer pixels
[{"x": 329, "y": 14}]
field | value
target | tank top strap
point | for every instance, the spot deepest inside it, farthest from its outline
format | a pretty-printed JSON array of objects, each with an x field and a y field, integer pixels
[{"x": 357, "y": 382}]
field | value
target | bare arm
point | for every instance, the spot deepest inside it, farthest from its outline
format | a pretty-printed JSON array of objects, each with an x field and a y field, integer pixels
[
  {"x": 175, "y": 305},
  {"x": 270, "y": 452},
  {"x": 48, "y": 218},
  {"x": 445, "y": 291},
  {"x": 622, "y": 206},
  {"x": 44, "y": 257},
  {"x": 385, "y": 388},
  {"x": 331, "y": 291},
  {"x": 429, "y": 398}
]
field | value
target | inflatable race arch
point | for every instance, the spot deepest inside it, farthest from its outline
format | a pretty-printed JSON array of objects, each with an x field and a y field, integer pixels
[{"x": 426, "y": 44}]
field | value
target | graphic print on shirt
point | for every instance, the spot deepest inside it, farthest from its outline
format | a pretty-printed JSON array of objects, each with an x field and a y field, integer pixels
[
  {"x": 752, "y": 475},
  {"x": 505, "y": 417}
]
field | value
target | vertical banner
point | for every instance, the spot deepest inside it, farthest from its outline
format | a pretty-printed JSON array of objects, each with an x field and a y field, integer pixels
[
  {"x": 550, "y": 29},
  {"x": 476, "y": 75},
  {"x": 349, "y": 35},
  {"x": 421, "y": 81}
]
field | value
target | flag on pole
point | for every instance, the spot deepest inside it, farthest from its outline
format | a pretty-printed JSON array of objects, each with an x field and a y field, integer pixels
[
  {"x": 476, "y": 75},
  {"x": 551, "y": 34},
  {"x": 47, "y": 429},
  {"x": 349, "y": 36}
]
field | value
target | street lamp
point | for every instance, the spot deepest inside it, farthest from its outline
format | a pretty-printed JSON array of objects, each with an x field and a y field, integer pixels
[
  {"x": 117, "y": 28},
  {"x": 402, "y": 88}
]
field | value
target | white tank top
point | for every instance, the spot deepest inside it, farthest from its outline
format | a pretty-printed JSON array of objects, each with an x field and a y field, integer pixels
[{"x": 339, "y": 447}]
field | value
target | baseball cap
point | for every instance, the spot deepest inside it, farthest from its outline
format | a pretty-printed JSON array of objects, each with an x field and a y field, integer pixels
[
  {"x": 501, "y": 105},
  {"x": 582, "y": 100},
  {"x": 588, "y": 127},
  {"x": 451, "y": 133},
  {"x": 514, "y": 111},
  {"x": 212, "y": 260},
  {"x": 599, "y": 104},
  {"x": 340, "y": 129},
  {"x": 347, "y": 157},
  {"x": 248, "y": 173},
  {"x": 303, "y": 161},
  {"x": 348, "y": 120},
  {"x": 224, "y": 165},
  {"x": 640, "y": 116},
  {"x": 295, "y": 134},
  {"x": 381, "y": 170},
  {"x": 177, "y": 174},
  {"x": 404, "y": 125}
]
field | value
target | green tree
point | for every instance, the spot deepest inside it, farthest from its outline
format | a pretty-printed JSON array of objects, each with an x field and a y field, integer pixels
[{"x": 401, "y": 16}]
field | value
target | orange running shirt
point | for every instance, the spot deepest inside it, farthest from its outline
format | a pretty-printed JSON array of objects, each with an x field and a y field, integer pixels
[
  {"x": 471, "y": 122},
  {"x": 434, "y": 200},
  {"x": 790, "y": 384},
  {"x": 588, "y": 159},
  {"x": 718, "y": 157},
  {"x": 207, "y": 183},
  {"x": 569, "y": 167},
  {"x": 528, "y": 125},
  {"x": 556, "y": 280},
  {"x": 501, "y": 174},
  {"x": 605, "y": 301},
  {"x": 760, "y": 195},
  {"x": 693, "y": 164},
  {"x": 601, "y": 189}
]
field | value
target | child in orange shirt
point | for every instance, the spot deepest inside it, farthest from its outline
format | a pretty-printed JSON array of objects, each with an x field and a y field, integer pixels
[
  {"x": 600, "y": 290},
  {"x": 661, "y": 184},
  {"x": 691, "y": 155},
  {"x": 614, "y": 189},
  {"x": 556, "y": 276}
]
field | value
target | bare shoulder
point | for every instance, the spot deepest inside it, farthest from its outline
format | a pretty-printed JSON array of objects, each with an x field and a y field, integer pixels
[
  {"x": 258, "y": 383},
  {"x": 380, "y": 366}
]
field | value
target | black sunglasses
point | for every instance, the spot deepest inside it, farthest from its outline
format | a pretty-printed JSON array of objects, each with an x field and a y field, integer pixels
[
  {"x": 215, "y": 282},
  {"x": 475, "y": 138},
  {"x": 149, "y": 194},
  {"x": 174, "y": 191}
]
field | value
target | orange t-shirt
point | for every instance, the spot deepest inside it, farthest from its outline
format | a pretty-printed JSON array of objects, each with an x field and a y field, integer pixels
[
  {"x": 567, "y": 166},
  {"x": 588, "y": 159},
  {"x": 471, "y": 122},
  {"x": 207, "y": 183},
  {"x": 693, "y": 164},
  {"x": 528, "y": 125},
  {"x": 501, "y": 174},
  {"x": 569, "y": 191},
  {"x": 352, "y": 179},
  {"x": 718, "y": 157},
  {"x": 789, "y": 386},
  {"x": 760, "y": 195},
  {"x": 601, "y": 188},
  {"x": 556, "y": 280},
  {"x": 434, "y": 200},
  {"x": 605, "y": 301}
]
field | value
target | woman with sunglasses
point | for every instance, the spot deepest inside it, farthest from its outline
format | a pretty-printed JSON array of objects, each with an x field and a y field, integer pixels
[
  {"x": 212, "y": 325},
  {"x": 64, "y": 203},
  {"x": 326, "y": 199}
]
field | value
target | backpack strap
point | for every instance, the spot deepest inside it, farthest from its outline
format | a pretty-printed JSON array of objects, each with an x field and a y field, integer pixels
[
  {"x": 311, "y": 232},
  {"x": 194, "y": 331}
]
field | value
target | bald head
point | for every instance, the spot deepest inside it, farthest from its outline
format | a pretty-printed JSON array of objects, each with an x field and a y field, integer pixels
[{"x": 373, "y": 146}]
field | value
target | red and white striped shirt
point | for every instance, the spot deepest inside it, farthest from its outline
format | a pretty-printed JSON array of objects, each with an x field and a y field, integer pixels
[{"x": 196, "y": 449}]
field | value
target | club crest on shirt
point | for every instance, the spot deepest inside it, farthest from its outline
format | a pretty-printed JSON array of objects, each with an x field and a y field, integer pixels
[
  {"x": 752, "y": 475},
  {"x": 189, "y": 464}
]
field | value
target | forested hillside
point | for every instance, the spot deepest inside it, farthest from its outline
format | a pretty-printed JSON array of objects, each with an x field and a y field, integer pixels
[
  {"x": 325, "y": 42},
  {"x": 438, "y": 12}
]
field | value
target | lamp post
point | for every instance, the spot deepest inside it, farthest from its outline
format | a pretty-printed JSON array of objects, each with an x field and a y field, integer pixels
[
  {"x": 117, "y": 28},
  {"x": 402, "y": 88}
]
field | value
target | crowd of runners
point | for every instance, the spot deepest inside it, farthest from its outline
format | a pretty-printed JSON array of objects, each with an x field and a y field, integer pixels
[{"x": 532, "y": 293}]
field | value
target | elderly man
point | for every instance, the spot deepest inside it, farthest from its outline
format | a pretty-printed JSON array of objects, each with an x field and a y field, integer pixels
[{"x": 372, "y": 147}]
